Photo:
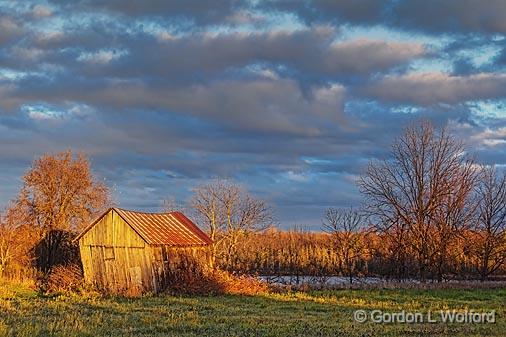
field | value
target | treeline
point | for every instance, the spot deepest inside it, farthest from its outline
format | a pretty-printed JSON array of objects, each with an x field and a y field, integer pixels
[
  {"x": 436, "y": 210},
  {"x": 430, "y": 211},
  {"x": 297, "y": 253}
]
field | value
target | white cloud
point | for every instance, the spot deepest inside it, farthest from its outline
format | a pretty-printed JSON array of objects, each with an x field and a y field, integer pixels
[
  {"x": 102, "y": 57},
  {"x": 41, "y": 11},
  {"x": 491, "y": 137}
]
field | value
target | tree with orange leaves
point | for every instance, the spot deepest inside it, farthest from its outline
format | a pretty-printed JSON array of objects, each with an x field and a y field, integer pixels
[{"x": 59, "y": 196}]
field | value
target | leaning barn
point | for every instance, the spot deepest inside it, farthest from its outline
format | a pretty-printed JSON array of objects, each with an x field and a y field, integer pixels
[{"x": 125, "y": 250}]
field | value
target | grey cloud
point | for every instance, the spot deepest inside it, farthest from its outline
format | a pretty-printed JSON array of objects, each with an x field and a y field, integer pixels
[
  {"x": 368, "y": 56},
  {"x": 8, "y": 100},
  {"x": 307, "y": 51},
  {"x": 149, "y": 155},
  {"x": 197, "y": 56},
  {"x": 451, "y": 16},
  {"x": 433, "y": 88},
  {"x": 10, "y": 29},
  {"x": 268, "y": 105},
  {"x": 431, "y": 16},
  {"x": 201, "y": 12},
  {"x": 359, "y": 11}
]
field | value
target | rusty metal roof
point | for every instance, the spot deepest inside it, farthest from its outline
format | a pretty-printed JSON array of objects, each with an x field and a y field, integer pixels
[{"x": 173, "y": 229}]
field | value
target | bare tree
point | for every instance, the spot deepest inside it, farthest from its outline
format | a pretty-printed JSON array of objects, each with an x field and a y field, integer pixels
[
  {"x": 244, "y": 215},
  {"x": 455, "y": 213},
  {"x": 411, "y": 186},
  {"x": 395, "y": 248},
  {"x": 229, "y": 212},
  {"x": 60, "y": 194},
  {"x": 209, "y": 212},
  {"x": 170, "y": 204},
  {"x": 346, "y": 228},
  {"x": 490, "y": 247}
]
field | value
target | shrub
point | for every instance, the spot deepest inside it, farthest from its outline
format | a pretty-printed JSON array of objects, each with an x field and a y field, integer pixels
[
  {"x": 189, "y": 273},
  {"x": 62, "y": 279}
]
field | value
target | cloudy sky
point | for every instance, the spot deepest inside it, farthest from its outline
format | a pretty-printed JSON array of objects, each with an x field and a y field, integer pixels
[{"x": 290, "y": 98}]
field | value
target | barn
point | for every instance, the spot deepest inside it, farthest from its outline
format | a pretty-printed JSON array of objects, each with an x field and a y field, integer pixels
[{"x": 127, "y": 250}]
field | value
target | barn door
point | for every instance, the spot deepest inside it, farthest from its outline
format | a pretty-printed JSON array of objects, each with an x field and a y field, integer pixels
[{"x": 97, "y": 259}]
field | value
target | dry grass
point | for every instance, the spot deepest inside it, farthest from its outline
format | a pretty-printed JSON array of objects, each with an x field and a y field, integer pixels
[
  {"x": 217, "y": 282},
  {"x": 238, "y": 284}
]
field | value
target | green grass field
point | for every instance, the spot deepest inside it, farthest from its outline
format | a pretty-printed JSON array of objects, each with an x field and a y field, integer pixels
[{"x": 24, "y": 313}]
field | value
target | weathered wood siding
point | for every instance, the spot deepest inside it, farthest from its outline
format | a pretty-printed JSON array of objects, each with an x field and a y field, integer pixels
[{"x": 116, "y": 258}]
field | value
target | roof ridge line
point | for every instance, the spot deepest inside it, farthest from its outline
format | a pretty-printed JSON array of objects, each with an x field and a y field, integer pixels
[{"x": 141, "y": 212}]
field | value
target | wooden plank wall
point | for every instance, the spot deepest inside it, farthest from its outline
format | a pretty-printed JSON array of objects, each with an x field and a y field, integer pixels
[{"x": 131, "y": 267}]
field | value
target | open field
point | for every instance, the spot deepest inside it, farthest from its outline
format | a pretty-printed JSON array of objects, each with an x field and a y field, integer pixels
[{"x": 24, "y": 313}]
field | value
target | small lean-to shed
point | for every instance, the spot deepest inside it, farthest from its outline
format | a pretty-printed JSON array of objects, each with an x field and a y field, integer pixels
[{"x": 126, "y": 250}]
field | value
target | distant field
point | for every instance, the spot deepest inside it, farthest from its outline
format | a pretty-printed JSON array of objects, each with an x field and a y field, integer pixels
[{"x": 24, "y": 313}]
